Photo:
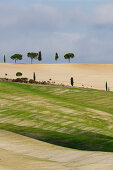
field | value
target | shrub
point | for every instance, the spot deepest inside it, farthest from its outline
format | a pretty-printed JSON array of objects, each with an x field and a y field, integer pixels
[
  {"x": 43, "y": 82},
  {"x": 24, "y": 80},
  {"x": 32, "y": 81},
  {"x": 18, "y": 74},
  {"x": 21, "y": 80},
  {"x": 17, "y": 80}
]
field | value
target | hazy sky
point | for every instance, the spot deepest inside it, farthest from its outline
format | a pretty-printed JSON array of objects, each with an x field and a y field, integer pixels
[{"x": 84, "y": 27}]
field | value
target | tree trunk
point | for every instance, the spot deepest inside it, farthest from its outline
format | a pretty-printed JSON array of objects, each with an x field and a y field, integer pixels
[
  {"x": 31, "y": 60},
  {"x": 69, "y": 60}
]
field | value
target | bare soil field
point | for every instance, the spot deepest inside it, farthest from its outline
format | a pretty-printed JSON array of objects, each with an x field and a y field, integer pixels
[
  {"x": 85, "y": 75},
  {"x": 18, "y": 152}
]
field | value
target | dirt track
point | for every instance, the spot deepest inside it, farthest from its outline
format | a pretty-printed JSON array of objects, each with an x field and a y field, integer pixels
[
  {"x": 22, "y": 153},
  {"x": 85, "y": 75}
]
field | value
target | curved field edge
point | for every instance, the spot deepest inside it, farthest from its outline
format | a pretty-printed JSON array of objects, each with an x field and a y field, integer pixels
[
  {"x": 14, "y": 152},
  {"x": 70, "y": 117}
]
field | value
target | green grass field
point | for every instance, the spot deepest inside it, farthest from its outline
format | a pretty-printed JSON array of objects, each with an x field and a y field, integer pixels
[{"x": 70, "y": 117}]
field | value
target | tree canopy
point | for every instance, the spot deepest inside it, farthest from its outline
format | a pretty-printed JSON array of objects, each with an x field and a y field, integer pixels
[
  {"x": 32, "y": 55},
  {"x": 69, "y": 56},
  {"x": 16, "y": 57}
]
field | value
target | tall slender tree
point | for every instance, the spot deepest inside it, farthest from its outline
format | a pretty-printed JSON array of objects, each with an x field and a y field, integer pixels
[
  {"x": 40, "y": 56},
  {"x": 34, "y": 76},
  {"x": 56, "y": 57},
  {"x": 72, "y": 81},
  {"x": 4, "y": 59},
  {"x": 32, "y": 56},
  {"x": 69, "y": 56},
  {"x": 16, "y": 57},
  {"x": 106, "y": 86}
]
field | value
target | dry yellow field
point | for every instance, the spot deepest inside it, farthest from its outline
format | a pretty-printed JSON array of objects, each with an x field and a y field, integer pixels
[{"x": 85, "y": 75}]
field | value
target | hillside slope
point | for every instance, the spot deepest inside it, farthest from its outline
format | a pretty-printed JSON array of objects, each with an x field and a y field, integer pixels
[
  {"x": 70, "y": 117},
  {"x": 85, "y": 75}
]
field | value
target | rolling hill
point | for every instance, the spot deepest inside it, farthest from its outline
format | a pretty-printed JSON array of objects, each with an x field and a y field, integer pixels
[{"x": 58, "y": 122}]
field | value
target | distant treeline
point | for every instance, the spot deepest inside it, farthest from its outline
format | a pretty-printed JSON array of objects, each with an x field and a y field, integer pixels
[{"x": 38, "y": 56}]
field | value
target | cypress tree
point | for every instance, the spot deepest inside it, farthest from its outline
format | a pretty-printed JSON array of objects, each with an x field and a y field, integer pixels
[
  {"x": 106, "y": 86},
  {"x": 34, "y": 76},
  {"x": 72, "y": 81},
  {"x": 4, "y": 59},
  {"x": 40, "y": 56},
  {"x": 56, "y": 57}
]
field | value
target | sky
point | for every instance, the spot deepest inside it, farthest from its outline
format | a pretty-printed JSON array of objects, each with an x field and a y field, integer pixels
[{"x": 82, "y": 27}]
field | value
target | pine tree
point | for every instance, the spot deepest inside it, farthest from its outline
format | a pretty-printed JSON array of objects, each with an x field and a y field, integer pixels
[
  {"x": 69, "y": 56},
  {"x": 16, "y": 57},
  {"x": 32, "y": 56}
]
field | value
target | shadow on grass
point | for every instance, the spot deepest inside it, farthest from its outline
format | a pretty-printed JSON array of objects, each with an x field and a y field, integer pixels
[{"x": 81, "y": 142}]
